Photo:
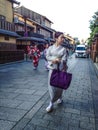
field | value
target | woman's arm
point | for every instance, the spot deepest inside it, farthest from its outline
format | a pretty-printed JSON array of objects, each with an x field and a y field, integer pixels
[{"x": 64, "y": 61}]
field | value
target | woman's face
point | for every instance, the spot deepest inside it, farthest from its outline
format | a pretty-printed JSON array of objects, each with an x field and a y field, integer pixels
[{"x": 60, "y": 39}]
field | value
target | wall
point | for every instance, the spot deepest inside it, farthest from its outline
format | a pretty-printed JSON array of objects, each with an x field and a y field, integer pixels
[
  {"x": 6, "y": 10},
  {"x": 7, "y": 44},
  {"x": 11, "y": 39}
]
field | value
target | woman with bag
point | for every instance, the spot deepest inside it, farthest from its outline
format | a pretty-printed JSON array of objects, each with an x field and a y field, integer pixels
[
  {"x": 45, "y": 51},
  {"x": 56, "y": 54}
]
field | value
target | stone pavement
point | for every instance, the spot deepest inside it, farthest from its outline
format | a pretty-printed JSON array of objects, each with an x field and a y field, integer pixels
[{"x": 24, "y": 97}]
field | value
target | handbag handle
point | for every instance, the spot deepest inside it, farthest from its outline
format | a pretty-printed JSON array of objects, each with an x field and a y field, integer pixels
[{"x": 58, "y": 64}]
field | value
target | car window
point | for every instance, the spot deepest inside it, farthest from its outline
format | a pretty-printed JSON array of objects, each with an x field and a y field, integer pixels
[{"x": 80, "y": 48}]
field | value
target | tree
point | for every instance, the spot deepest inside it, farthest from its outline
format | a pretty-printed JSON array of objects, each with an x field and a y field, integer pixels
[{"x": 93, "y": 27}]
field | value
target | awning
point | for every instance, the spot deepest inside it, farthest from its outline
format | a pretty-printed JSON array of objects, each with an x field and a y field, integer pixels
[
  {"x": 49, "y": 39},
  {"x": 9, "y": 33},
  {"x": 40, "y": 40}
]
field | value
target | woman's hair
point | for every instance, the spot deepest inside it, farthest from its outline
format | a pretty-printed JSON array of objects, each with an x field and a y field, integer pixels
[{"x": 57, "y": 34}]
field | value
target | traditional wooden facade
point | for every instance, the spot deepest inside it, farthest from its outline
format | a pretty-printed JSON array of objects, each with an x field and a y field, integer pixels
[
  {"x": 7, "y": 32},
  {"x": 32, "y": 26},
  {"x": 72, "y": 41},
  {"x": 69, "y": 42},
  {"x": 94, "y": 49}
]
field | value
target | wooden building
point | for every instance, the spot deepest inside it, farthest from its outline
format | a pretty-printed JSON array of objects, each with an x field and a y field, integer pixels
[
  {"x": 8, "y": 50},
  {"x": 71, "y": 40},
  {"x": 94, "y": 49},
  {"x": 33, "y": 28}
]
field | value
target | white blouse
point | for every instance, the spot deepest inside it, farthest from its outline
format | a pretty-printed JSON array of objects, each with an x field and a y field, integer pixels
[{"x": 55, "y": 52}]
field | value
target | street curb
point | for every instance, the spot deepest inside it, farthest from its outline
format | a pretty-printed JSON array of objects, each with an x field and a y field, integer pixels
[{"x": 10, "y": 63}]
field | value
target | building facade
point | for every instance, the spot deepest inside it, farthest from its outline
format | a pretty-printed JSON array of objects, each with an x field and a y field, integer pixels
[
  {"x": 32, "y": 27},
  {"x": 94, "y": 49},
  {"x": 7, "y": 31}
]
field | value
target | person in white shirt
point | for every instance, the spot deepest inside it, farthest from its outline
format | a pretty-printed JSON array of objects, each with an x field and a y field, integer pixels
[
  {"x": 45, "y": 51},
  {"x": 56, "y": 54}
]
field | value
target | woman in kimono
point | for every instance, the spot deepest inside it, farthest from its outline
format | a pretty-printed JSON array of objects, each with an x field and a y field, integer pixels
[
  {"x": 56, "y": 54},
  {"x": 45, "y": 51},
  {"x": 35, "y": 56}
]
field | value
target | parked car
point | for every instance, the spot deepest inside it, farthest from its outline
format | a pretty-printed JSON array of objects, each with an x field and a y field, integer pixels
[{"x": 80, "y": 51}]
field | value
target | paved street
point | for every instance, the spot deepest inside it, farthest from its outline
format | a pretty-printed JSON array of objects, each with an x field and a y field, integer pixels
[{"x": 24, "y": 97}]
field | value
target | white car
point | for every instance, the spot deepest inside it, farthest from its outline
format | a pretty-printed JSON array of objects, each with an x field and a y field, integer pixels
[{"x": 80, "y": 51}]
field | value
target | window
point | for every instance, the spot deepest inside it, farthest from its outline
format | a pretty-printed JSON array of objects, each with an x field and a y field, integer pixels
[
  {"x": 2, "y": 17},
  {"x": 6, "y": 37},
  {"x": 81, "y": 48}
]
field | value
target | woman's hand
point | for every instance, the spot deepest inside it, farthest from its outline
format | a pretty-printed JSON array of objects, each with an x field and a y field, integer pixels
[{"x": 56, "y": 61}]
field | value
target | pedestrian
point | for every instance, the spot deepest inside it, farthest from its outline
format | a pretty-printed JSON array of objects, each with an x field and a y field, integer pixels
[
  {"x": 29, "y": 49},
  {"x": 35, "y": 52},
  {"x": 45, "y": 51},
  {"x": 88, "y": 52},
  {"x": 56, "y": 54}
]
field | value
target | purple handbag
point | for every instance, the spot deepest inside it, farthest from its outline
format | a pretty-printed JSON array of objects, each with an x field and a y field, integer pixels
[{"x": 60, "y": 79}]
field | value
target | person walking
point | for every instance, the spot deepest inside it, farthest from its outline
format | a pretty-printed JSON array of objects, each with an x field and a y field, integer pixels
[
  {"x": 88, "y": 52},
  {"x": 29, "y": 49},
  {"x": 45, "y": 51},
  {"x": 56, "y": 54},
  {"x": 35, "y": 52}
]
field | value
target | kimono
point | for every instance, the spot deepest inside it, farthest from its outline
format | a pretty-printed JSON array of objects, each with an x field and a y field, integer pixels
[
  {"x": 35, "y": 56},
  {"x": 28, "y": 49},
  {"x": 46, "y": 62},
  {"x": 54, "y": 52}
]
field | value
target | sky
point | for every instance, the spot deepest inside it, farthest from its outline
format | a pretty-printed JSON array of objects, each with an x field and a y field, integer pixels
[{"x": 69, "y": 16}]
